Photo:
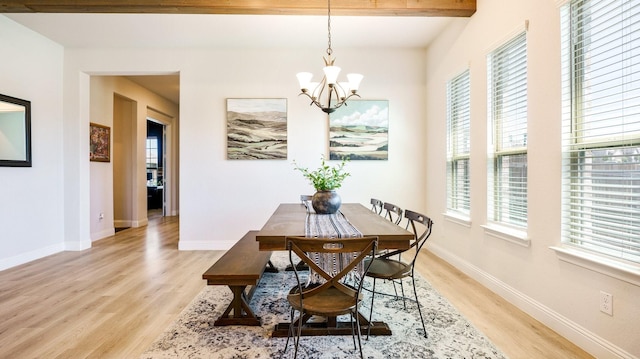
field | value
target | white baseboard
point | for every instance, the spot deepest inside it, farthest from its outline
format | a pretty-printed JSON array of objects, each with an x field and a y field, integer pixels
[
  {"x": 6, "y": 263},
  {"x": 102, "y": 234},
  {"x": 125, "y": 223},
  {"x": 77, "y": 245},
  {"x": 582, "y": 337},
  {"x": 141, "y": 223},
  {"x": 122, "y": 223}
]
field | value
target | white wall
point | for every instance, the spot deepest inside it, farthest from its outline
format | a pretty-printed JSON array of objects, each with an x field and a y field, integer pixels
[
  {"x": 220, "y": 199},
  {"x": 31, "y": 198},
  {"x": 562, "y": 295}
]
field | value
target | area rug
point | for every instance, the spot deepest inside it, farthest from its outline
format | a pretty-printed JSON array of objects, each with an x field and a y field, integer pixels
[{"x": 193, "y": 335}]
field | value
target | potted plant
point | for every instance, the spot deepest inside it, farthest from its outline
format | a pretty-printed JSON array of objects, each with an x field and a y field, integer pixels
[{"x": 326, "y": 179}]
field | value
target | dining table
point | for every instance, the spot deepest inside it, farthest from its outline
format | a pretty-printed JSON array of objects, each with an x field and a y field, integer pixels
[{"x": 289, "y": 220}]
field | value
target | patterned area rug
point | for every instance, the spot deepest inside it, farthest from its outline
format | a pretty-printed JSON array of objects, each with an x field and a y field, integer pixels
[{"x": 193, "y": 335}]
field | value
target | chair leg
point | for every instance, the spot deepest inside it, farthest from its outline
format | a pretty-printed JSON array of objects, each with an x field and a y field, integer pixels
[
  {"x": 359, "y": 332},
  {"x": 415, "y": 292},
  {"x": 286, "y": 344},
  {"x": 404, "y": 299},
  {"x": 353, "y": 331},
  {"x": 296, "y": 339},
  {"x": 295, "y": 354},
  {"x": 290, "y": 333},
  {"x": 373, "y": 295}
]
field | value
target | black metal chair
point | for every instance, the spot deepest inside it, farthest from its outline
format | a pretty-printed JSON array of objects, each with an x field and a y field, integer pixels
[
  {"x": 392, "y": 212},
  {"x": 306, "y": 199},
  {"x": 330, "y": 296},
  {"x": 376, "y": 206},
  {"x": 390, "y": 266}
]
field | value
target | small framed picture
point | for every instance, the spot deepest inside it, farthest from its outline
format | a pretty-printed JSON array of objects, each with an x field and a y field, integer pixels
[{"x": 99, "y": 143}]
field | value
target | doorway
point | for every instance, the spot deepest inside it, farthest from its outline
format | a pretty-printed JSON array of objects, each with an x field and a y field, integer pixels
[
  {"x": 155, "y": 163},
  {"x": 124, "y": 116}
]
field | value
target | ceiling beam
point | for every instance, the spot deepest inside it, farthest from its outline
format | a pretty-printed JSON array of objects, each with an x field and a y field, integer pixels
[{"x": 451, "y": 8}]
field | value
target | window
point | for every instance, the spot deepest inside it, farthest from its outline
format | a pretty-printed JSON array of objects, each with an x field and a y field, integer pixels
[
  {"x": 458, "y": 143},
  {"x": 152, "y": 152},
  {"x": 601, "y": 127},
  {"x": 507, "y": 95}
]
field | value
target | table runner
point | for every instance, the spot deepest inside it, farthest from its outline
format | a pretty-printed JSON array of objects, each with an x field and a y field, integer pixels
[{"x": 331, "y": 226}]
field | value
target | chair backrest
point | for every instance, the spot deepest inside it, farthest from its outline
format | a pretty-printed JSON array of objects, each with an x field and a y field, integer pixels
[
  {"x": 306, "y": 199},
  {"x": 415, "y": 221},
  {"x": 392, "y": 212},
  {"x": 376, "y": 205},
  {"x": 421, "y": 226},
  {"x": 351, "y": 251}
]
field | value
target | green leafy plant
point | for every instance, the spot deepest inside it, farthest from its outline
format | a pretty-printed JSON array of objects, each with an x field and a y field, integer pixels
[{"x": 325, "y": 178}]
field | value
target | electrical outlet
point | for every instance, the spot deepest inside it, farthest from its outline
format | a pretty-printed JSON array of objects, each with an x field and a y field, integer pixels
[
  {"x": 606, "y": 303},
  {"x": 101, "y": 216}
]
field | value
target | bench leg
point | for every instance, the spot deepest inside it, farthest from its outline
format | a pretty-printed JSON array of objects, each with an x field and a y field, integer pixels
[
  {"x": 242, "y": 313},
  {"x": 270, "y": 268},
  {"x": 300, "y": 266}
]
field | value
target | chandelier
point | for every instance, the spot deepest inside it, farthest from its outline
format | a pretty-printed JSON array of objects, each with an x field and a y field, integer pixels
[{"x": 329, "y": 94}]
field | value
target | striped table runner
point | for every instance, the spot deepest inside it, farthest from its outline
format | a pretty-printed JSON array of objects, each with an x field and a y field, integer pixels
[{"x": 331, "y": 226}]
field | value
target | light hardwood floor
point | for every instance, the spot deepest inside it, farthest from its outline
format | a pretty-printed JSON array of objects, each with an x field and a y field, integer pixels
[{"x": 113, "y": 300}]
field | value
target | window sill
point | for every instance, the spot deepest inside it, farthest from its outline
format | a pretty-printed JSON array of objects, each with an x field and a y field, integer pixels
[
  {"x": 627, "y": 272},
  {"x": 458, "y": 219},
  {"x": 507, "y": 234}
]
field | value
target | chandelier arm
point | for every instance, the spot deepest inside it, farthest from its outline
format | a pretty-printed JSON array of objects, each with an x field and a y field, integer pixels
[
  {"x": 322, "y": 86},
  {"x": 344, "y": 102},
  {"x": 313, "y": 102}
]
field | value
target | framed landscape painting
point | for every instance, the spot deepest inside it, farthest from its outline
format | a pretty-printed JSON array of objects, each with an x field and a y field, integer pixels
[
  {"x": 99, "y": 143},
  {"x": 256, "y": 129},
  {"x": 359, "y": 130}
]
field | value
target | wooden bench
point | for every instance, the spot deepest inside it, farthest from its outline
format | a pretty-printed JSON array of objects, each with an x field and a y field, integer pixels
[{"x": 241, "y": 266}]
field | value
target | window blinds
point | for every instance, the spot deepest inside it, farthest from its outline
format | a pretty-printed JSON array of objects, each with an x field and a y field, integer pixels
[
  {"x": 507, "y": 97},
  {"x": 458, "y": 143},
  {"x": 601, "y": 126}
]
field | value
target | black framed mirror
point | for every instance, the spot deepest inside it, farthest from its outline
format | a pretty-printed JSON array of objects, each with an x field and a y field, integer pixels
[{"x": 15, "y": 132}]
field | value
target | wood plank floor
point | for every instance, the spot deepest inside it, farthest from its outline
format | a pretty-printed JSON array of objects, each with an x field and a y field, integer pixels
[{"x": 113, "y": 300}]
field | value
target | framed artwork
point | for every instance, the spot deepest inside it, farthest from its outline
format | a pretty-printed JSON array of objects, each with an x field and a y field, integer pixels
[
  {"x": 257, "y": 128},
  {"x": 359, "y": 130},
  {"x": 15, "y": 132},
  {"x": 99, "y": 143}
]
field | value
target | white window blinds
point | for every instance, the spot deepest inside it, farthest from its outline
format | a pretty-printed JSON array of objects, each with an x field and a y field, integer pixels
[
  {"x": 601, "y": 126},
  {"x": 458, "y": 143},
  {"x": 507, "y": 104}
]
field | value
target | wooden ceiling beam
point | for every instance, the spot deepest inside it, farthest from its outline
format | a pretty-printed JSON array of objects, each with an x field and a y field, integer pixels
[{"x": 449, "y": 8}]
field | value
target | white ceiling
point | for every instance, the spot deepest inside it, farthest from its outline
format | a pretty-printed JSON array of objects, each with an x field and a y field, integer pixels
[{"x": 228, "y": 31}]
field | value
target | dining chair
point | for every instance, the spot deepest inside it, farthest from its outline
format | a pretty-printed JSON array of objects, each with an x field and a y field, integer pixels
[
  {"x": 306, "y": 199},
  {"x": 392, "y": 212},
  {"x": 390, "y": 266},
  {"x": 376, "y": 206},
  {"x": 330, "y": 296}
]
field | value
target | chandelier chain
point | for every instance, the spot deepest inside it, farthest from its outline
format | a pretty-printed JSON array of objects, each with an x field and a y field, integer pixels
[{"x": 329, "y": 50}]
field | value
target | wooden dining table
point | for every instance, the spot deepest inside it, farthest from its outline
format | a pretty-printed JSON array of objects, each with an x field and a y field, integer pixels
[{"x": 289, "y": 220}]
